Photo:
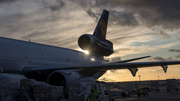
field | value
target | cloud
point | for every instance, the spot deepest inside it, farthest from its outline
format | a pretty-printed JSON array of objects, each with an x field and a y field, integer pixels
[
  {"x": 113, "y": 59},
  {"x": 174, "y": 50},
  {"x": 118, "y": 16},
  {"x": 161, "y": 12},
  {"x": 7, "y": 1},
  {"x": 155, "y": 69},
  {"x": 61, "y": 22},
  {"x": 130, "y": 50},
  {"x": 157, "y": 58},
  {"x": 151, "y": 12},
  {"x": 39, "y": 24},
  {"x": 167, "y": 45},
  {"x": 137, "y": 13},
  {"x": 92, "y": 14},
  {"x": 54, "y": 5},
  {"x": 123, "y": 18},
  {"x": 163, "y": 34},
  {"x": 177, "y": 56}
]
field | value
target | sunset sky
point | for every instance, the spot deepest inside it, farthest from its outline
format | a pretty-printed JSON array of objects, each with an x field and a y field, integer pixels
[{"x": 136, "y": 28}]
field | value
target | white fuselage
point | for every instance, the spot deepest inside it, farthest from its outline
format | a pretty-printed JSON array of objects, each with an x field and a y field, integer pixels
[{"x": 16, "y": 54}]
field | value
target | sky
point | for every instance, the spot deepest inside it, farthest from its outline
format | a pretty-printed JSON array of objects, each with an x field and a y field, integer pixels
[{"x": 136, "y": 28}]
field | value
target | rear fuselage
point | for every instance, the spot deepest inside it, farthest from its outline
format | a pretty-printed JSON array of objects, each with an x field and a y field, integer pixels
[{"x": 16, "y": 54}]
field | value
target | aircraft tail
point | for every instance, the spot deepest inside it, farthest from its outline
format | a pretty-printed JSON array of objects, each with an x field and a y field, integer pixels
[
  {"x": 101, "y": 28},
  {"x": 97, "y": 42}
]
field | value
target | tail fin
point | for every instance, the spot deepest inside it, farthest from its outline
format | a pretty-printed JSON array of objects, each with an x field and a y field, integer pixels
[
  {"x": 100, "y": 31},
  {"x": 97, "y": 42}
]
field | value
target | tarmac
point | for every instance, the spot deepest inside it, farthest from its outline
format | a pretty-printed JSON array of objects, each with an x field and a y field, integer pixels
[{"x": 162, "y": 95}]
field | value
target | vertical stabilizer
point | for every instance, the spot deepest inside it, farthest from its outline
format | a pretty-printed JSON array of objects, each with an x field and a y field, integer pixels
[
  {"x": 101, "y": 28},
  {"x": 97, "y": 42}
]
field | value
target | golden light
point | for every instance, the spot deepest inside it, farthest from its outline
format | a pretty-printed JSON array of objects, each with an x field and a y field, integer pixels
[
  {"x": 87, "y": 52},
  {"x": 108, "y": 71}
]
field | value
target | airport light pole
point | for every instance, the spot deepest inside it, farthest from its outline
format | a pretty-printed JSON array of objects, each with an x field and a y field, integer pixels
[
  {"x": 139, "y": 77},
  {"x": 158, "y": 77}
]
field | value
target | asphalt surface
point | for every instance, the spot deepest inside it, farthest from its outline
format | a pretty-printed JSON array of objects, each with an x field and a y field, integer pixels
[{"x": 162, "y": 95}]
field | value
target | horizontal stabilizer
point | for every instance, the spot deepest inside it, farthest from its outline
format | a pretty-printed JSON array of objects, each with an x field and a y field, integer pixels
[{"x": 124, "y": 61}]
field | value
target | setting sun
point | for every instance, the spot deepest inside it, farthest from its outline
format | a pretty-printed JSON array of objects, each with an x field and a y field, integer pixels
[{"x": 87, "y": 52}]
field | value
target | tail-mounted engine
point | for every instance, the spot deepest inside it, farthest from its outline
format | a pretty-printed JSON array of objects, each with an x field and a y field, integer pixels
[{"x": 93, "y": 45}]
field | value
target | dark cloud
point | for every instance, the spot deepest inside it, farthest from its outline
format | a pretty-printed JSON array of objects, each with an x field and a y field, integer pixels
[
  {"x": 123, "y": 18},
  {"x": 95, "y": 8},
  {"x": 157, "y": 58},
  {"x": 152, "y": 12},
  {"x": 92, "y": 14},
  {"x": 56, "y": 6},
  {"x": 7, "y": 1},
  {"x": 122, "y": 12},
  {"x": 115, "y": 59},
  {"x": 115, "y": 17},
  {"x": 155, "y": 12},
  {"x": 174, "y": 50}
]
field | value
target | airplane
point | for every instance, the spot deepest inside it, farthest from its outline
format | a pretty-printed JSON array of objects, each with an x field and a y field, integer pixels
[{"x": 59, "y": 66}]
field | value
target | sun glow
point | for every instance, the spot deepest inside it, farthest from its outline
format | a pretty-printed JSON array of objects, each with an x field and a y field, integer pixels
[
  {"x": 87, "y": 52},
  {"x": 108, "y": 71}
]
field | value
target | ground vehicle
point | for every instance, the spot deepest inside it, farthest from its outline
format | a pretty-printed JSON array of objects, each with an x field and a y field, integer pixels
[
  {"x": 146, "y": 88},
  {"x": 142, "y": 92},
  {"x": 155, "y": 86},
  {"x": 114, "y": 92},
  {"x": 171, "y": 84}
]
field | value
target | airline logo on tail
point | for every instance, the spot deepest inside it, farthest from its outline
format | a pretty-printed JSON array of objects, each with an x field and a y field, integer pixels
[
  {"x": 100, "y": 31},
  {"x": 103, "y": 27}
]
